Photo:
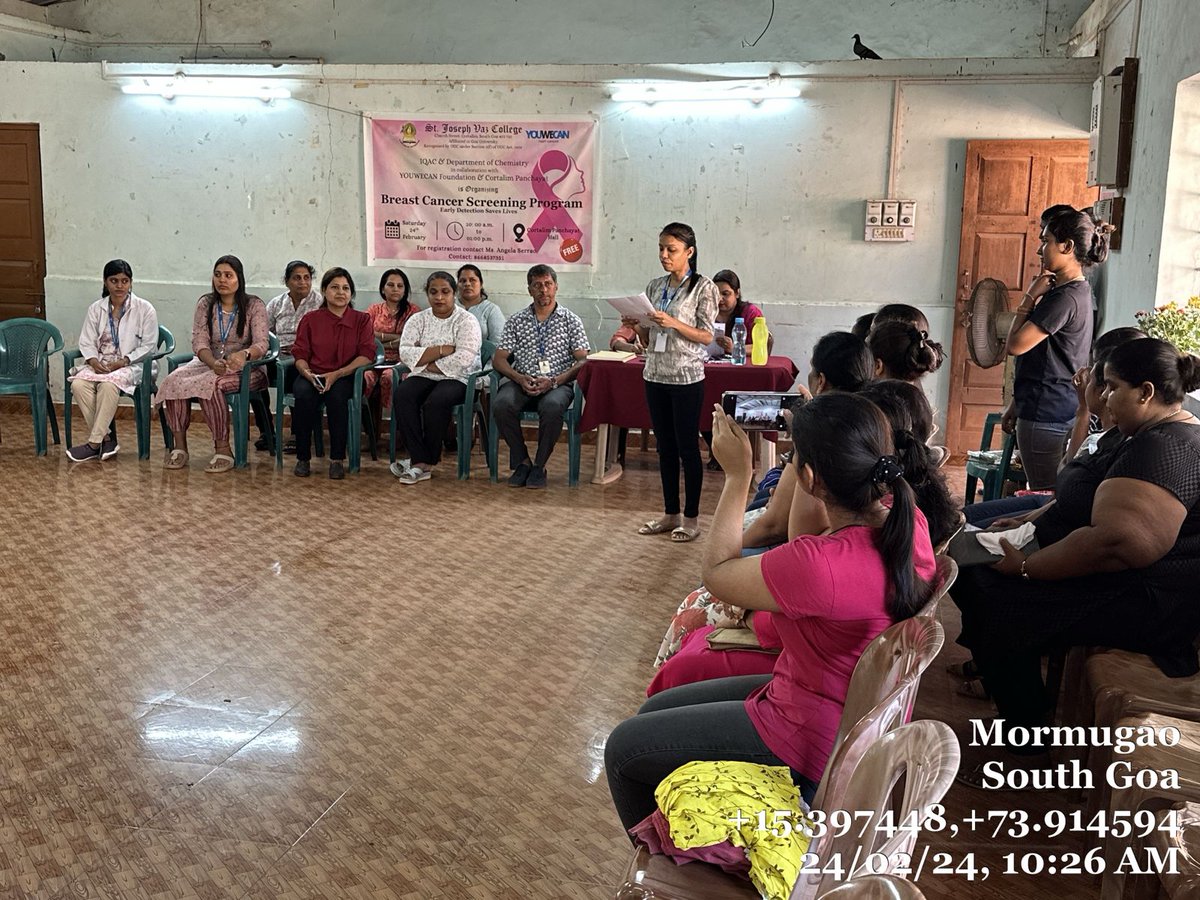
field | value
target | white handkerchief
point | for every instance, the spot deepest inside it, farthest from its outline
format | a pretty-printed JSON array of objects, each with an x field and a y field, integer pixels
[{"x": 1018, "y": 537}]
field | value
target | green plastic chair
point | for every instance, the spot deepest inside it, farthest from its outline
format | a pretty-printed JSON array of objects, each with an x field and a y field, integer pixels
[
  {"x": 994, "y": 475},
  {"x": 141, "y": 396},
  {"x": 464, "y": 413},
  {"x": 239, "y": 402},
  {"x": 354, "y": 430},
  {"x": 26, "y": 345},
  {"x": 571, "y": 420}
]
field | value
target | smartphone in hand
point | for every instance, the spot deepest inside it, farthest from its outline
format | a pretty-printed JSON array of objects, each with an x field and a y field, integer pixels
[{"x": 319, "y": 381}]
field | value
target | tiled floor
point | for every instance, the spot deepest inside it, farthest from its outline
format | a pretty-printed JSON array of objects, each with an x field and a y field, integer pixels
[{"x": 252, "y": 685}]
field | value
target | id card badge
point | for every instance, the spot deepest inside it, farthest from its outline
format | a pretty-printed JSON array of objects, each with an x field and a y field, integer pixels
[
  {"x": 544, "y": 367},
  {"x": 660, "y": 342}
]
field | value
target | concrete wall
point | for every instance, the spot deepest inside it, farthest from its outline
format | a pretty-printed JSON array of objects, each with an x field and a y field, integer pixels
[
  {"x": 1159, "y": 256},
  {"x": 775, "y": 192},
  {"x": 549, "y": 31}
]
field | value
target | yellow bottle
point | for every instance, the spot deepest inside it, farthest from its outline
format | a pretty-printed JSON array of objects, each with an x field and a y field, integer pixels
[{"x": 758, "y": 345}]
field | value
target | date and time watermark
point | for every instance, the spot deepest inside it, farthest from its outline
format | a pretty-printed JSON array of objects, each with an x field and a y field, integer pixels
[
  {"x": 995, "y": 824},
  {"x": 1122, "y": 832}
]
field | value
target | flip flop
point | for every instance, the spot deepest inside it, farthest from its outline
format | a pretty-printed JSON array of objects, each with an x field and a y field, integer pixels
[
  {"x": 176, "y": 459},
  {"x": 219, "y": 463},
  {"x": 681, "y": 535},
  {"x": 658, "y": 526}
]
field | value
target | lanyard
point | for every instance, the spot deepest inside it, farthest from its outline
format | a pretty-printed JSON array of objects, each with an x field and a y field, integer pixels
[
  {"x": 666, "y": 300},
  {"x": 543, "y": 330},
  {"x": 221, "y": 326},
  {"x": 112, "y": 327}
]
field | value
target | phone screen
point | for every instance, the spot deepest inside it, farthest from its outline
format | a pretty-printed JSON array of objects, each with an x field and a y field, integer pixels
[{"x": 758, "y": 410}]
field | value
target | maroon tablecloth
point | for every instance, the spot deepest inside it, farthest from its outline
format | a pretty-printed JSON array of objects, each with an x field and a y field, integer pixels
[{"x": 614, "y": 394}]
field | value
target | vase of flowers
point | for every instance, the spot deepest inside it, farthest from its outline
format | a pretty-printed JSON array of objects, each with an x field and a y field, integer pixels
[{"x": 1177, "y": 323}]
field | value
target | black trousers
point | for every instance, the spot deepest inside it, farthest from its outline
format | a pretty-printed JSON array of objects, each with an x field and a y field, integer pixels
[
  {"x": 423, "y": 410},
  {"x": 551, "y": 408},
  {"x": 306, "y": 416},
  {"x": 1009, "y": 623},
  {"x": 675, "y": 415}
]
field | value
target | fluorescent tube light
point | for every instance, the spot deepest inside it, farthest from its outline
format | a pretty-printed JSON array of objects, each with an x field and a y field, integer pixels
[
  {"x": 171, "y": 86},
  {"x": 710, "y": 91}
]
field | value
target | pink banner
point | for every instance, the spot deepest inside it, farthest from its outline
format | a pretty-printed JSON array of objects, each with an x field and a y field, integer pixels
[{"x": 505, "y": 192}]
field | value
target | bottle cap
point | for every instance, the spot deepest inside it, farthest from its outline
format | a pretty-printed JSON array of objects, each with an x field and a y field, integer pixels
[{"x": 739, "y": 321}]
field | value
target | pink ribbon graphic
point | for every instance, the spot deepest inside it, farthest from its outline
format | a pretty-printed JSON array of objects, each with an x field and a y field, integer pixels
[{"x": 551, "y": 219}]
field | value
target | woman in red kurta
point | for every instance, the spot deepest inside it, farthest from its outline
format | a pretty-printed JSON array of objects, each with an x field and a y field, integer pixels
[{"x": 331, "y": 342}]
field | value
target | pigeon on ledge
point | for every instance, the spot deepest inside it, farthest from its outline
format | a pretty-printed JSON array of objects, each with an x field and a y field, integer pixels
[{"x": 863, "y": 51}]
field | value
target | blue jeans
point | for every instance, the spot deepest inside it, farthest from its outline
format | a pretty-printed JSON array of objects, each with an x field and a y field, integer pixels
[
  {"x": 982, "y": 514},
  {"x": 1041, "y": 446}
]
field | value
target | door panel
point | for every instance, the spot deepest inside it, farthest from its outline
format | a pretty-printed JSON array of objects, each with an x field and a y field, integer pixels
[
  {"x": 1007, "y": 185},
  {"x": 22, "y": 238},
  {"x": 1003, "y": 186}
]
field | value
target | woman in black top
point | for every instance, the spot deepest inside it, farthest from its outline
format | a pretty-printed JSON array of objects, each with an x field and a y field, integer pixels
[
  {"x": 1050, "y": 337},
  {"x": 1119, "y": 553}
]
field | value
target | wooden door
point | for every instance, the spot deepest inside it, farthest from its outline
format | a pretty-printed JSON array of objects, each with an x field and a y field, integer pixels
[
  {"x": 1008, "y": 184},
  {"x": 22, "y": 240}
]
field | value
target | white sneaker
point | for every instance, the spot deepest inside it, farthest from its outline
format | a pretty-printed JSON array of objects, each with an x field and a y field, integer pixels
[
  {"x": 400, "y": 466},
  {"x": 413, "y": 475}
]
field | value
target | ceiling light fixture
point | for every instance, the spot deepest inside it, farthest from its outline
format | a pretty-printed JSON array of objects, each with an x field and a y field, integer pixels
[
  {"x": 773, "y": 88},
  {"x": 171, "y": 86}
]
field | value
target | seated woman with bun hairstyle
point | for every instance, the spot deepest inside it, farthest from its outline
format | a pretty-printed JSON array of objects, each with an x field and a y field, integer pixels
[{"x": 903, "y": 351}]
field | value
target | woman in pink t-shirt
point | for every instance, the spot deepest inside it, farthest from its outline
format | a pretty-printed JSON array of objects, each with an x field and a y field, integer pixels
[{"x": 835, "y": 591}]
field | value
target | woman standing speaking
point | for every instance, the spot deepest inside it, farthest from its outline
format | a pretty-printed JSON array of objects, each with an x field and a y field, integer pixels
[{"x": 685, "y": 305}]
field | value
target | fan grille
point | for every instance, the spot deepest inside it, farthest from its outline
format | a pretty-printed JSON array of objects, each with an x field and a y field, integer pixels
[{"x": 989, "y": 301}]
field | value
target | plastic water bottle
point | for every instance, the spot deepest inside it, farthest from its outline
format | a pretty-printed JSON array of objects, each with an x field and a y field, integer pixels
[
  {"x": 758, "y": 346},
  {"x": 739, "y": 342}
]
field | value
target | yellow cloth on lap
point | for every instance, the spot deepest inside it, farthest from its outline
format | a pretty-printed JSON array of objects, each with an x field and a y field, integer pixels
[{"x": 701, "y": 800}]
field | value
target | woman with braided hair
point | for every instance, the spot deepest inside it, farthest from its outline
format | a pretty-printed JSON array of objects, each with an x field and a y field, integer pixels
[{"x": 835, "y": 593}]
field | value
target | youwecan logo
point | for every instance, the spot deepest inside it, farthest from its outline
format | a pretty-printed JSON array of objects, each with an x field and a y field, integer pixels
[{"x": 547, "y": 135}]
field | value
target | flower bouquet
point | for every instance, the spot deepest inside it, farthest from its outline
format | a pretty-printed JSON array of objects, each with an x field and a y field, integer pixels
[{"x": 1179, "y": 324}]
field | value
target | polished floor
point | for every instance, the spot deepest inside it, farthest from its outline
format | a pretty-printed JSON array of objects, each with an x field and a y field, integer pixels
[{"x": 252, "y": 685}]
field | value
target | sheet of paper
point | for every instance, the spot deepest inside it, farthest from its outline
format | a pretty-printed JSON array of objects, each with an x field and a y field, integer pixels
[{"x": 635, "y": 307}]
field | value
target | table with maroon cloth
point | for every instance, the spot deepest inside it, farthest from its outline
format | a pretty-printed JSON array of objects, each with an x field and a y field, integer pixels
[{"x": 614, "y": 395}]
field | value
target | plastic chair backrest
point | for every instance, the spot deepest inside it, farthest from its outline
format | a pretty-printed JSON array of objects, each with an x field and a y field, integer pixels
[
  {"x": 23, "y": 348},
  {"x": 487, "y": 350},
  {"x": 927, "y": 754},
  {"x": 875, "y": 887},
  {"x": 881, "y": 691},
  {"x": 989, "y": 428},
  {"x": 947, "y": 574}
]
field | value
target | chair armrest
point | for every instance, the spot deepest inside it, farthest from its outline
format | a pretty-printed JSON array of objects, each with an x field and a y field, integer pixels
[
  {"x": 248, "y": 369},
  {"x": 68, "y": 358},
  {"x": 358, "y": 378},
  {"x": 283, "y": 362}
]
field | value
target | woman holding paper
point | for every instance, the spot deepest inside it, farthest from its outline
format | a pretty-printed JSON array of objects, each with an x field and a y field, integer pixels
[{"x": 675, "y": 335}]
